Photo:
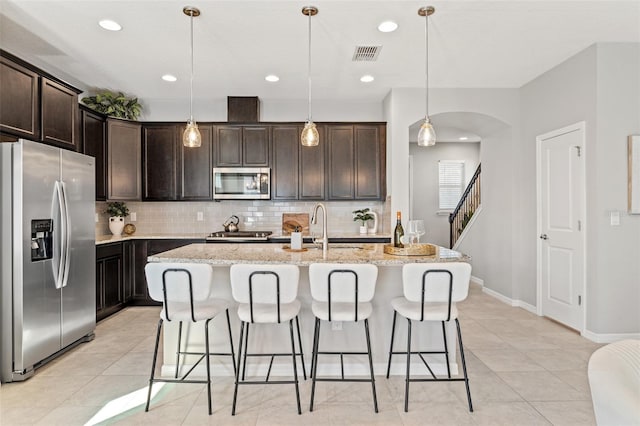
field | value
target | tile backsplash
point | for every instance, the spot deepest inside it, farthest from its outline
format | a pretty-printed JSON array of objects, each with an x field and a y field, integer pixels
[{"x": 182, "y": 217}]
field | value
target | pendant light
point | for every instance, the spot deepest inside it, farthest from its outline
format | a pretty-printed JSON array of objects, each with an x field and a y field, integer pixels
[
  {"x": 427, "y": 134},
  {"x": 191, "y": 137},
  {"x": 310, "y": 136}
]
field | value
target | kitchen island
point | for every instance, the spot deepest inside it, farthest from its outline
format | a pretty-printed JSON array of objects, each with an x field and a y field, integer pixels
[{"x": 338, "y": 336}]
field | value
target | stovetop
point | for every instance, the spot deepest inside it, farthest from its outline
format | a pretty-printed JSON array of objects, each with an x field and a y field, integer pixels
[{"x": 239, "y": 236}]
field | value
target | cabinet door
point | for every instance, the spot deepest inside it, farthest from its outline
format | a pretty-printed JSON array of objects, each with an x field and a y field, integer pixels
[
  {"x": 113, "y": 282},
  {"x": 94, "y": 144},
  {"x": 312, "y": 182},
  {"x": 159, "y": 144},
  {"x": 195, "y": 170},
  {"x": 284, "y": 173},
  {"x": 140, "y": 292},
  {"x": 228, "y": 146},
  {"x": 369, "y": 158},
  {"x": 255, "y": 146},
  {"x": 58, "y": 114},
  {"x": 124, "y": 160},
  {"x": 128, "y": 258},
  {"x": 19, "y": 100},
  {"x": 340, "y": 162}
]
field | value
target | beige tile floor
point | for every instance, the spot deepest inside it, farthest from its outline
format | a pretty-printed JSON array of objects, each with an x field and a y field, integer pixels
[{"x": 524, "y": 370}]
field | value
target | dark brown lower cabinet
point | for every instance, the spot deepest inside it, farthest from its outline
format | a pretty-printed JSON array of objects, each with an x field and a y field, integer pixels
[{"x": 110, "y": 294}]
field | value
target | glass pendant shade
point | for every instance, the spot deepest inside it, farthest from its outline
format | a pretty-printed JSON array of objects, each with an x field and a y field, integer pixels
[
  {"x": 310, "y": 136},
  {"x": 191, "y": 137},
  {"x": 427, "y": 134}
]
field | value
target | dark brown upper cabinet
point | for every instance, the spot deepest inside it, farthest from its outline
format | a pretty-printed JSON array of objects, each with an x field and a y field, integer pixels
[
  {"x": 311, "y": 176},
  {"x": 195, "y": 167},
  {"x": 19, "y": 100},
  {"x": 159, "y": 160},
  {"x": 124, "y": 160},
  {"x": 172, "y": 171},
  {"x": 242, "y": 146},
  {"x": 284, "y": 170},
  {"x": 356, "y": 162},
  {"x": 58, "y": 114},
  {"x": 94, "y": 143}
]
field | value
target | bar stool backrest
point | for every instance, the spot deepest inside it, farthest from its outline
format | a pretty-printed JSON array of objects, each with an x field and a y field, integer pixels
[
  {"x": 179, "y": 282},
  {"x": 340, "y": 279},
  {"x": 446, "y": 282},
  {"x": 265, "y": 280}
]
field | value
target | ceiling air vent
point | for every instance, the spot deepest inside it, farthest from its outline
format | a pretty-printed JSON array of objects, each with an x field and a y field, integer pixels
[{"x": 366, "y": 53}]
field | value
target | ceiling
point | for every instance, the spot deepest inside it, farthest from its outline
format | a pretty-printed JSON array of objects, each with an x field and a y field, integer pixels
[{"x": 472, "y": 44}]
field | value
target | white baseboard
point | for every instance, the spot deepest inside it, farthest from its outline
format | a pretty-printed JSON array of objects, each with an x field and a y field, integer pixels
[
  {"x": 609, "y": 337},
  {"x": 509, "y": 301}
]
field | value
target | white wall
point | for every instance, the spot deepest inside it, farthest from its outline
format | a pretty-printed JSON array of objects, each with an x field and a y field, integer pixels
[
  {"x": 601, "y": 86},
  {"x": 425, "y": 178},
  {"x": 491, "y": 247},
  {"x": 270, "y": 110}
]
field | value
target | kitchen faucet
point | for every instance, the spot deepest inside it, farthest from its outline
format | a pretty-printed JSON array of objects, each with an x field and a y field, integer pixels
[{"x": 314, "y": 219}]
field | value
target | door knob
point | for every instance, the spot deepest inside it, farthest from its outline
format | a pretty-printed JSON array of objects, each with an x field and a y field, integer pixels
[{"x": 544, "y": 237}]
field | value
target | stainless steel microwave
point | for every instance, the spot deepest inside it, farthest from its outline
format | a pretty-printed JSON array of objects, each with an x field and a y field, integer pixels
[{"x": 241, "y": 183}]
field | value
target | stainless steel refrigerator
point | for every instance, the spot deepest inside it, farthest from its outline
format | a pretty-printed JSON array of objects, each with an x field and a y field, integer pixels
[{"x": 47, "y": 254}]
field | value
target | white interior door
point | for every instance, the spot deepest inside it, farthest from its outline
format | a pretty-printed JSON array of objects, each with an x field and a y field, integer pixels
[{"x": 561, "y": 193}]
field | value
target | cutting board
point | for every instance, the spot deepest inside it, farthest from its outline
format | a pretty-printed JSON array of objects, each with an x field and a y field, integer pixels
[{"x": 291, "y": 220}]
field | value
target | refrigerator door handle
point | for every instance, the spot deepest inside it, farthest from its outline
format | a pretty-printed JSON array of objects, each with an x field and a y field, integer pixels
[
  {"x": 66, "y": 235},
  {"x": 58, "y": 270}
]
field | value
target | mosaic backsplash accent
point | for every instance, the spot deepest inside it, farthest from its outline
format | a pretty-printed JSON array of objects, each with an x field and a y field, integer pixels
[{"x": 182, "y": 217}]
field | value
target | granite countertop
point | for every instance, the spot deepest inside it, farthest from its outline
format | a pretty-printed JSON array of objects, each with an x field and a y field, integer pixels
[
  {"x": 231, "y": 253},
  {"x": 106, "y": 239}
]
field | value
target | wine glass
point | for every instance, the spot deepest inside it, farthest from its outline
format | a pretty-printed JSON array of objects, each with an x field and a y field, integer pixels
[{"x": 416, "y": 228}]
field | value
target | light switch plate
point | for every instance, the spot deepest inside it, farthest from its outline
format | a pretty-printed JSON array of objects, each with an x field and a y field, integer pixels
[
  {"x": 97, "y": 218},
  {"x": 615, "y": 218},
  {"x": 134, "y": 216},
  {"x": 200, "y": 216}
]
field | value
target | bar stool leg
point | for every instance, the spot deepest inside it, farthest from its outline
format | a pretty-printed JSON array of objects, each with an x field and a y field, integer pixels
[
  {"x": 295, "y": 367},
  {"x": 464, "y": 366},
  {"x": 314, "y": 361},
  {"x": 446, "y": 351},
  {"x": 373, "y": 380},
  {"x": 406, "y": 390},
  {"x": 304, "y": 369},
  {"x": 178, "y": 350},
  {"x": 206, "y": 351},
  {"x": 393, "y": 330},
  {"x": 235, "y": 390},
  {"x": 153, "y": 364},
  {"x": 246, "y": 346},
  {"x": 233, "y": 355}
]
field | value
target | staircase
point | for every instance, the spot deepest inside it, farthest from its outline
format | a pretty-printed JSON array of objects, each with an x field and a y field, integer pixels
[{"x": 468, "y": 205}]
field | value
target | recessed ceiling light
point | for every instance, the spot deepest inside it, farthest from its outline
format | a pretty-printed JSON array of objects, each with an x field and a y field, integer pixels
[
  {"x": 367, "y": 78},
  {"x": 387, "y": 27},
  {"x": 463, "y": 138},
  {"x": 272, "y": 78},
  {"x": 110, "y": 25},
  {"x": 169, "y": 77}
]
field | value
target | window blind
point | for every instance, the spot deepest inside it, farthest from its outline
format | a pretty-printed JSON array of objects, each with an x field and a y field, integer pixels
[{"x": 450, "y": 182}]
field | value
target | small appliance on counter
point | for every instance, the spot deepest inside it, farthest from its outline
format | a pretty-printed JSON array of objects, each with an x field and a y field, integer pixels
[{"x": 47, "y": 254}]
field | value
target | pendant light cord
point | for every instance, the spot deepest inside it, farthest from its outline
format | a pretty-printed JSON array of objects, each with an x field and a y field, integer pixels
[
  {"x": 191, "y": 84},
  {"x": 426, "y": 65},
  {"x": 309, "y": 64}
]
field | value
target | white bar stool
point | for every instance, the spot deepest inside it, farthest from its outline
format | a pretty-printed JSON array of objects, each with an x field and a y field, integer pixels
[
  {"x": 431, "y": 291},
  {"x": 185, "y": 292},
  {"x": 342, "y": 292},
  {"x": 266, "y": 294}
]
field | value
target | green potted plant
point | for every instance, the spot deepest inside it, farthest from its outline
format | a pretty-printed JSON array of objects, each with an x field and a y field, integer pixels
[
  {"x": 117, "y": 211},
  {"x": 114, "y": 105},
  {"x": 363, "y": 215}
]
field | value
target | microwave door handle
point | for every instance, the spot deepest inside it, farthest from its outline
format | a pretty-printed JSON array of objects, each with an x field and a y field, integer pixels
[{"x": 66, "y": 235}]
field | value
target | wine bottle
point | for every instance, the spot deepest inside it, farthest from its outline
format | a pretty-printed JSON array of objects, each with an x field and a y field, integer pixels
[{"x": 398, "y": 232}]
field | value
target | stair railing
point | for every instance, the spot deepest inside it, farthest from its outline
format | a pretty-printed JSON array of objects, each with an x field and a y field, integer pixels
[{"x": 465, "y": 209}]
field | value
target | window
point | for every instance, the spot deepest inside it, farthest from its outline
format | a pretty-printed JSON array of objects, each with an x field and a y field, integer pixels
[{"x": 450, "y": 183}]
